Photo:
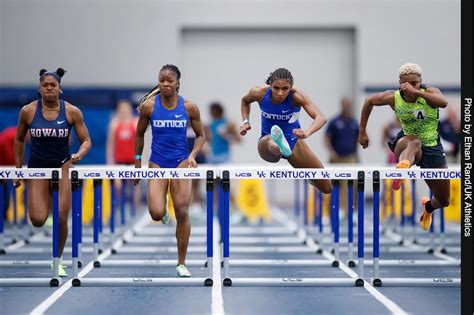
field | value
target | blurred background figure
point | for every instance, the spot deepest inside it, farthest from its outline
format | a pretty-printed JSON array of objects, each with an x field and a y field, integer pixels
[
  {"x": 7, "y": 158},
  {"x": 120, "y": 147},
  {"x": 390, "y": 132},
  {"x": 341, "y": 142},
  {"x": 450, "y": 133},
  {"x": 7, "y": 139},
  {"x": 221, "y": 135}
]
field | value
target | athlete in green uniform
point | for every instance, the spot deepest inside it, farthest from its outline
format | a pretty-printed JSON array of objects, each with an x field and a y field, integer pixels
[{"x": 418, "y": 142}]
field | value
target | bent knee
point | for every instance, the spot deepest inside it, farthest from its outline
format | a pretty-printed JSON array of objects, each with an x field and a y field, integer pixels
[
  {"x": 37, "y": 221},
  {"x": 324, "y": 186},
  {"x": 443, "y": 202},
  {"x": 156, "y": 213},
  {"x": 415, "y": 143}
]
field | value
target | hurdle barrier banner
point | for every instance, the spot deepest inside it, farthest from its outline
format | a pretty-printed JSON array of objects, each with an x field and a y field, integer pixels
[{"x": 54, "y": 174}]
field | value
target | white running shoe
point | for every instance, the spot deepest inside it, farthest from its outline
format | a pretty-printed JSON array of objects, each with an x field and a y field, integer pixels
[
  {"x": 280, "y": 140},
  {"x": 183, "y": 271}
]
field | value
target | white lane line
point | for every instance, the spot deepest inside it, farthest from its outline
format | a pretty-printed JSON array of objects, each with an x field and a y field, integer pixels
[
  {"x": 437, "y": 254},
  {"x": 389, "y": 304},
  {"x": 217, "y": 305},
  {"x": 53, "y": 298}
]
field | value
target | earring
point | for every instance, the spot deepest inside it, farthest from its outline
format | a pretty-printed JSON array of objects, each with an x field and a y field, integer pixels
[{"x": 60, "y": 91}]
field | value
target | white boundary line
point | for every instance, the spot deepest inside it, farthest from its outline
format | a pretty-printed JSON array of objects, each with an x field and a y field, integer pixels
[
  {"x": 56, "y": 295},
  {"x": 217, "y": 303},
  {"x": 389, "y": 304}
]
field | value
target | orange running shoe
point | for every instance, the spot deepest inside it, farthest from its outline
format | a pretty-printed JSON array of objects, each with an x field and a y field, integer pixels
[
  {"x": 397, "y": 183},
  {"x": 425, "y": 218}
]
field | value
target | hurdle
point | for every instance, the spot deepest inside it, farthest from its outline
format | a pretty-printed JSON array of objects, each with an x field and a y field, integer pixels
[
  {"x": 337, "y": 175},
  {"x": 407, "y": 248},
  {"x": 144, "y": 173},
  {"x": 406, "y": 174},
  {"x": 54, "y": 174},
  {"x": 280, "y": 173}
]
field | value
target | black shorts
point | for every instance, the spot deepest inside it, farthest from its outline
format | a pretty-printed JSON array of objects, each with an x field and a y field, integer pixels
[
  {"x": 431, "y": 157},
  {"x": 34, "y": 162}
]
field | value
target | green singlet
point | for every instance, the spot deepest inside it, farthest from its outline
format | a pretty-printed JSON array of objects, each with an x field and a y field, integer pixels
[{"x": 418, "y": 119}]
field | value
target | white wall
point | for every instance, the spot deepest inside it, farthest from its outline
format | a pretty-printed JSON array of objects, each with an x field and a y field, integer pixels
[{"x": 104, "y": 42}]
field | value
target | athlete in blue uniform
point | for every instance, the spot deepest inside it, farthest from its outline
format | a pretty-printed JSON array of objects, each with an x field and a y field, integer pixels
[
  {"x": 49, "y": 120},
  {"x": 168, "y": 114},
  {"x": 281, "y": 134}
]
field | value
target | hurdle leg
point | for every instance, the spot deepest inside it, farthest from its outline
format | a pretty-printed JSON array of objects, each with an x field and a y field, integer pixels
[
  {"x": 97, "y": 201},
  {"x": 55, "y": 281},
  {"x": 2, "y": 220},
  {"x": 350, "y": 209},
  {"x": 209, "y": 225},
  {"x": 335, "y": 211},
  {"x": 442, "y": 234},
  {"x": 75, "y": 223},
  {"x": 360, "y": 227},
  {"x": 226, "y": 188},
  {"x": 376, "y": 188}
]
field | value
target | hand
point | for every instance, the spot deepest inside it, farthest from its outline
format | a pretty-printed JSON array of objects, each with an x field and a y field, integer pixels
[
  {"x": 244, "y": 128},
  {"x": 192, "y": 162},
  {"x": 76, "y": 158},
  {"x": 16, "y": 182},
  {"x": 300, "y": 133},
  {"x": 363, "y": 139},
  {"x": 138, "y": 164},
  {"x": 408, "y": 89}
]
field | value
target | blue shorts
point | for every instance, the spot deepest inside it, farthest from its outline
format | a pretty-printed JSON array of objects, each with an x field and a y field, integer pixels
[
  {"x": 431, "y": 157},
  {"x": 167, "y": 163}
]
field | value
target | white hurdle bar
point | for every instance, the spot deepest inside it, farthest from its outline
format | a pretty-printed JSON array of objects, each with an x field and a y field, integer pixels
[
  {"x": 359, "y": 174},
  {"x": 149, "y": 173},
  {"x": 54, "y": 174}
]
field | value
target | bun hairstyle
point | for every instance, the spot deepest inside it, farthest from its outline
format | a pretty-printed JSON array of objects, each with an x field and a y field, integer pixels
[{"x": 58, "y": 74}]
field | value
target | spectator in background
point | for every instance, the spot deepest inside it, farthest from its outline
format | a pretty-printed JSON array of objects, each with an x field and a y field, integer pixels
[
  {"x": 450, "y": 132},
  {"x": 7, "y": 158},
  {"x": 390, "y": 132},
  {"x": 7, "y": 140},
  {"x": 120, "y": 147},
  {"x": 341, "y": 142},
  {"x": 221, "y": 134}
]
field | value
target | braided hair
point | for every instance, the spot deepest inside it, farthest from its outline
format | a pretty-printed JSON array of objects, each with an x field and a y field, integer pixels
[
  {"x": 280, "y": 74},
  {"x": 156, "y": 89}
]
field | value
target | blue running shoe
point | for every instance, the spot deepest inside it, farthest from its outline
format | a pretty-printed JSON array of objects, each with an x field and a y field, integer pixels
[{"x": 279, "y": 138}]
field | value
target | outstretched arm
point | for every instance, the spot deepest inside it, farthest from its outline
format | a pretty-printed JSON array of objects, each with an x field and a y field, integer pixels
[
  {"x": 377, "y": 99},
  {"x": 82, "y": 134},
  {"x": 319, "y": 120},
  {"x": 145, "y": 112},
  {"x": 196, "y": 124},
  {"x": 254, "y": 95}
]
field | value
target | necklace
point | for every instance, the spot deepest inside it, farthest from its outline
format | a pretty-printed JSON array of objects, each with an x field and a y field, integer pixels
[{"x": 52, "y": 109}]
